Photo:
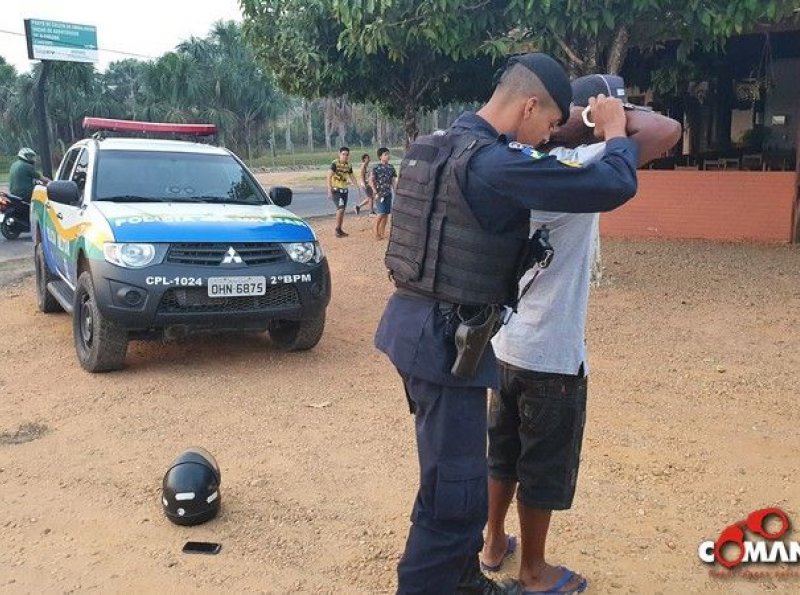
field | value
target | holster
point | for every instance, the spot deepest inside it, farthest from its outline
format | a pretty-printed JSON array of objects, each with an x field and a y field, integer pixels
[{"x": 471, "y": 338}]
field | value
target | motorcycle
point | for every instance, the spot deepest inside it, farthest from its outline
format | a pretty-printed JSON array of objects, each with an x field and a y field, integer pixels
[{"x": 14, "y": 216}]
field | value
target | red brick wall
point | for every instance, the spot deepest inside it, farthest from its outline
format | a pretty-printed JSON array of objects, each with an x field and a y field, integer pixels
[{"x": 714, "y": 205}]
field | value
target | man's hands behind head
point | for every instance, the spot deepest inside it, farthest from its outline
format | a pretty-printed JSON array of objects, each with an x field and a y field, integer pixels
[
  {"x": 573, "y": 132},
  {"x": 608, "y": 116}
]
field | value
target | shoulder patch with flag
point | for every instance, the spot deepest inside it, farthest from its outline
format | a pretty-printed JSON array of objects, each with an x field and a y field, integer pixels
[{"x": 527, "y": 150}]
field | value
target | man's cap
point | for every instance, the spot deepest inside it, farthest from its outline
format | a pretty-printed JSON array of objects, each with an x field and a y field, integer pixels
[
  {"x": 592, "y": 85},
  {"x": 552, "y": 75}
]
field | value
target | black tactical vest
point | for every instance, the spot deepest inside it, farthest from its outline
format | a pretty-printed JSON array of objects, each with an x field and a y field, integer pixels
[{"x": 437, "y": 247}]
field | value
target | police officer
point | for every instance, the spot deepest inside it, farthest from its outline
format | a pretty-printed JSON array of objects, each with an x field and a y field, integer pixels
[{"x": 457, "y": 241}]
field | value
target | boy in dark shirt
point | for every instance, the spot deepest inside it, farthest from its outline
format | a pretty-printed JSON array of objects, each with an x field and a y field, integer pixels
[{"x": 383, "y": 180}]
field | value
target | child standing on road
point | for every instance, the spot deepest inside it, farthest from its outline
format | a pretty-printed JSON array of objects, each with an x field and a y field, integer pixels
[
  {"x": 383, "y": 181},
  {"x": 337, "y": 180}
]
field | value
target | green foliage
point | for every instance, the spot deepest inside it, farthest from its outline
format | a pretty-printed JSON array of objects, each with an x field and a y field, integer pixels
[
  {"x": 306, "y": 45},
  {"x": 409, "y": 54},
  {"x": 214, "y": 79},
  {"x": 586, "y": 34}
]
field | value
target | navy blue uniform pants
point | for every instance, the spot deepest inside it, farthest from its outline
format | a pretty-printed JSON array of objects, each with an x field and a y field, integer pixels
[{"x": 452, "y": 503}]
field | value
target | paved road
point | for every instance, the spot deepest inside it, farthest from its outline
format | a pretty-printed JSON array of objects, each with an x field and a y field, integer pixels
[
  {"x": 315, "y": 203},
  {"x": 15, "y": 249}
]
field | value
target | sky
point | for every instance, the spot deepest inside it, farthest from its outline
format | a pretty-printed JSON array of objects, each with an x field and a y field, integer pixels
[{"x": 147, "y": 28}]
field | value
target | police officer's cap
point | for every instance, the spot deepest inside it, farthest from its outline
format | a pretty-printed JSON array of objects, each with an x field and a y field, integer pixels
[
  {"x": 592, "y": 85},
  {"x": 552, "y": 75}
]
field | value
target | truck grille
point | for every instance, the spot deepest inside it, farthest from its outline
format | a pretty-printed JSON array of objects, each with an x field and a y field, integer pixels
[
  {"x": 252, "y": 253},
  {"x": 196, "y": 300}
]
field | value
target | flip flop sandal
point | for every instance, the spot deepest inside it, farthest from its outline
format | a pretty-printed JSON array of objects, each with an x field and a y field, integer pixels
[
  {"x": 511, "y": 547},
  {"x": 566, "y": 576}
]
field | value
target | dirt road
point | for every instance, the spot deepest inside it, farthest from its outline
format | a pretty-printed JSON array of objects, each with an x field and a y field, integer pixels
[{"x": 693, "y": 423}]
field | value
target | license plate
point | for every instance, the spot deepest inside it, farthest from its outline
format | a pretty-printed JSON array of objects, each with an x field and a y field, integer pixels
[{"x": 236, "y": 286}]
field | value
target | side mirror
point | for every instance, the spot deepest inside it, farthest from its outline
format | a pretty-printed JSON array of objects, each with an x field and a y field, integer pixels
[
  {"x": 281, "y": 195},
  {"x": 64, "y": 192}
]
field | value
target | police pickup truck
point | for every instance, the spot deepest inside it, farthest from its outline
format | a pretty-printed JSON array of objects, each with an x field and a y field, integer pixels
[{"x": 140, "y": 238}]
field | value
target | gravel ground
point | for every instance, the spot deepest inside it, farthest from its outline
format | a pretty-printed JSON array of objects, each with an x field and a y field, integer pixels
[{"x": 695, "y": 356}]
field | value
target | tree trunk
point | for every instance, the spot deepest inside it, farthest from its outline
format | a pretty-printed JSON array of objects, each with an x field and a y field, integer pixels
[
  {"x": 590, "y": 64},
  {"x": 288, "y": 134},
  {"x": 410, "y": 123},
  {"x": 618, "y": 50},
  {"x": 326, "y": 114},
  {"x": 309, "y": 125},
  {"x": 247, "y": 140},
  {"x": 342, "y": 126},
  {"x": 378, "y": 129},
  {"x": 436, "y": 119}
]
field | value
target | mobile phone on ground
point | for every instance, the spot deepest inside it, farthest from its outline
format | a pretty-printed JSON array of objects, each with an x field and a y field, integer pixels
[{"x": 201, "y": 547}]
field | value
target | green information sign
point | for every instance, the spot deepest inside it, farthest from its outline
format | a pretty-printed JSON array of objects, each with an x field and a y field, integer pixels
[{"x": 54, "y": 40}]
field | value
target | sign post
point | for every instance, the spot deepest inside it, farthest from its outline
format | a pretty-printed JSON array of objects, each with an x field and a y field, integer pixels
[
  {"x": 40, "y": 105},
  {"x": 50, "y": 41}
]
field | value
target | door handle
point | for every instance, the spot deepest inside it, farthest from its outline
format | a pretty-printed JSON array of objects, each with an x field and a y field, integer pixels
[{"x": 59, "y": 215}]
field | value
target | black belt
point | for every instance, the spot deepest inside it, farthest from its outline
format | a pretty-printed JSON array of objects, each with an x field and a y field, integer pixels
[{"x": 443, "y": 306}]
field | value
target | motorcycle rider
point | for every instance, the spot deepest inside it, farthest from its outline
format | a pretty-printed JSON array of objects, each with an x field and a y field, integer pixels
[{"x": 22, "y": 176}]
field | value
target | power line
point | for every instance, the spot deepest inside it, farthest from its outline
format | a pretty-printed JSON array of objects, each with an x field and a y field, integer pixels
[{"x": 123, "y": 53}]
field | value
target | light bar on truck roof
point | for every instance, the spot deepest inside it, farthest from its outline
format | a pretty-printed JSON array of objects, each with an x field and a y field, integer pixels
[{"x": 112, "y": 125}]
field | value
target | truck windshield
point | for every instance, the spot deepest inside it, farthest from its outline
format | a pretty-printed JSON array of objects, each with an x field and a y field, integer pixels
[{"x": 152, "y": 176}]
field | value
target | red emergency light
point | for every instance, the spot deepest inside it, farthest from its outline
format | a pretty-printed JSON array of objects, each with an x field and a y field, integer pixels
[{"x": 112, "y": 125}]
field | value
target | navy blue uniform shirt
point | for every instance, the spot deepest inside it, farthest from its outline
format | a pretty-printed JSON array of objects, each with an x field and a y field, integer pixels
[{"x": 504, "y": 181}]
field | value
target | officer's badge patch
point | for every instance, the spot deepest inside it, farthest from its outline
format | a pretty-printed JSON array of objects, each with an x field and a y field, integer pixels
[{"x": 526, "y": 150}]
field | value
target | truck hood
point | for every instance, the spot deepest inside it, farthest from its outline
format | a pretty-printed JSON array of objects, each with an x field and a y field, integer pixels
[{"x": 202, "y": 222}]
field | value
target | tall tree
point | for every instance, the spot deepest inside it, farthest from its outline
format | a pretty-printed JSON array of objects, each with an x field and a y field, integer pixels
[
  {"x": 301, "y": 42},
  {"x": 589, "y": 35}
]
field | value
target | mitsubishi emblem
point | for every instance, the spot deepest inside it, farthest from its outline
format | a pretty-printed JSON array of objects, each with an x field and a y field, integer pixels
[{"x": 231, "y": 257}]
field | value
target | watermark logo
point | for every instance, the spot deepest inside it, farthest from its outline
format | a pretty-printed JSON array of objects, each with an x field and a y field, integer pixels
[{"x": 756, "y": 539}]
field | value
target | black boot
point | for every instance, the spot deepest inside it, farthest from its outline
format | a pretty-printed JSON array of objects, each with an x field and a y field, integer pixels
[{"x": 474, "y": 582}]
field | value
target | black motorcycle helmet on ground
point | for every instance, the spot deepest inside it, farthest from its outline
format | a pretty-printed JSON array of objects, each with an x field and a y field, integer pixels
[{"x": 190, "y": 493}]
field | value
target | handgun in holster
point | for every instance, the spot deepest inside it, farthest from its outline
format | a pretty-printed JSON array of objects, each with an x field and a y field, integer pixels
[
  {"x": 471, "y": 338},
  {"x": 537, "y": 252}
]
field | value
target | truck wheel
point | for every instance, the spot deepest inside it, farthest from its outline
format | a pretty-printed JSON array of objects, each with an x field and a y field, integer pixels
[
  {"x": 297, "y": 335},
  {"x": 99, "y": 343},
  {"x": 9, "y": 231},
  {"x": 44, "y": 299}
]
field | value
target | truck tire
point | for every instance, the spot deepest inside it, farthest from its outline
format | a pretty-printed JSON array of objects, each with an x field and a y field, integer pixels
[
  {"x": 44, "y": 299},
  {"x": 100, "y": 344},
  {"x": 297, "y": 335}
]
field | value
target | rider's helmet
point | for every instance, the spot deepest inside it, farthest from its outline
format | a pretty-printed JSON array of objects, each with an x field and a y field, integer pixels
[
  {"x": 190, "y": 493},
  {"x": 27, "y": 154}
]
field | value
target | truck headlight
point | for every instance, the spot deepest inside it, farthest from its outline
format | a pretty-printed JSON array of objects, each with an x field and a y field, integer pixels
[
  {"x": 129, "y": 256},
  {"x": 304, "y": 252}
]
